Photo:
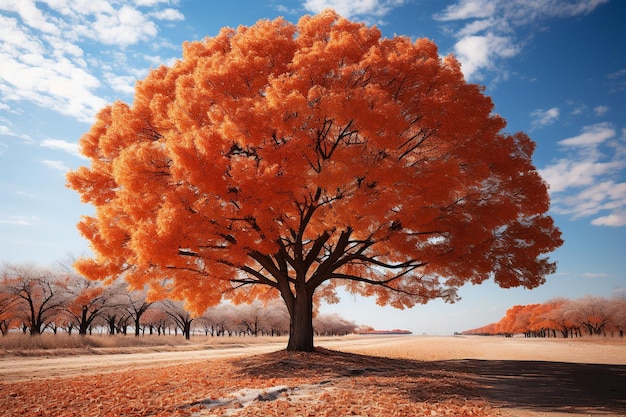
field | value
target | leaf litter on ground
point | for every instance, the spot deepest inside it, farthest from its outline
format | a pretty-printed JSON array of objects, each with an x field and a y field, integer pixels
[{"x": 321, "y": 383}]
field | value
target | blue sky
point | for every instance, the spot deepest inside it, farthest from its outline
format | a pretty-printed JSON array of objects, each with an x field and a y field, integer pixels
[{"x": 555, "y": 69}]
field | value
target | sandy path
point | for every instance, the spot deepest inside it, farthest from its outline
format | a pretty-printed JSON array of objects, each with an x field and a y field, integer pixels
[
  {"x": 427, "y": 348},
  {"x": 14, "y": 369},
  {"x": 407, "y": 347}
]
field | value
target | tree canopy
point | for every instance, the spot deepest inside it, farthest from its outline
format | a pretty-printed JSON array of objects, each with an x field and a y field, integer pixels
[{"x": 291, "y": 159}]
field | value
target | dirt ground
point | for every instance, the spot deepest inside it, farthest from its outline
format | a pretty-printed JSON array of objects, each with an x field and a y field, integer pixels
[
  {"x": 528, "y": 377},
  {"x": 513, "y": 376}
]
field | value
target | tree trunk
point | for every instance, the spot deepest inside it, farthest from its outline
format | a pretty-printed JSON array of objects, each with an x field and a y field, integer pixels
[
  {"x": 187, "y": 330},
  {"x": 110, "y": 320},
  {"x": 137, "y": 327},
  {"x": 301, "y": 324},
  {"x": 83, "y": 324}
]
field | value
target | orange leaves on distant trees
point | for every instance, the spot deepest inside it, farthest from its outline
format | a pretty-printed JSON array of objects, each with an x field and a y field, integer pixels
[
  {"x": 32, "y": 295},
  {"x": 86, "y": 303},
  {"x": 281, "y": 158},
  {"x": 562, "y": 317}
]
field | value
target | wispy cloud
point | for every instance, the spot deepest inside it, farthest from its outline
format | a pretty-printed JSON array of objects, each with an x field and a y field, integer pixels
[
  {"x": 363, "y": 9},
  {"x": 544, "y": 117},
  {"x": 63, "y": 145},
  {"x": 168, "y": 14},
  {"x": 591, "y": 135},
  {"x": 121, "y": 83},
  {"x": 469, "y": 9},
  {"x": 595, "y": 275},
  {"x": 45, "y": 58},
  {"x": 601, "y": 110},
  {"x": 617, "y": 81},
  {"x": 487, "y": 30},
  {"x": 17, "y": 220},
  {"x": 57, "y": 165},
  {"x": 587, "y": 182},
  {"x": 150, "y": 3},
  {"x": 26, "y": 194},
  {"x": 7, "y": 131}
]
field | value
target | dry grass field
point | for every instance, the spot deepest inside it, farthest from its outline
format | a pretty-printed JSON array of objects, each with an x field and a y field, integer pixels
[{"x": 349, "y": 376}]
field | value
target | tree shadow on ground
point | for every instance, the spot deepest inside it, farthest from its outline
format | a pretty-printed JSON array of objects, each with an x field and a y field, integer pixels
[
  {"x": 536, "y": 386},
  {"x": 549, "y": 386}
]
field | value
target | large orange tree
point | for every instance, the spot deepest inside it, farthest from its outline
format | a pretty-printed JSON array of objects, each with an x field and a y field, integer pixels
[{"x": 288, "y": 160}]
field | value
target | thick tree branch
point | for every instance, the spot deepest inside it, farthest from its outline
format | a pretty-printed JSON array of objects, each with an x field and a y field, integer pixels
[
  {"x": 384, "y": 283},
  {"x": 260, "y": 278}
]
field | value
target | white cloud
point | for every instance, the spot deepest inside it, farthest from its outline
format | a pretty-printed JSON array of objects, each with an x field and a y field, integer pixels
[
  {"x": 617, "y": 74},
  {"x": 17, "y": 220},
  {"x": 468, "y": 9},
  {"x": 488, "y": 32},
  {"x": 350, "y": 9},
  {"x": 476, "y": 27},
  {"x": 62, "y": 145},
  {"x": 617, "y": 82},
  {"x": 150, "y": 3},
  {"x": 168, "y": 14},
  {"x": 6, "y": 131},
  {"x": 595, "y": 275},
  {"x": 480, "y": 52},
  {"x": 30, "y": 15},
  {"x": 545, "y": 117},
  {"x": 589, "y": 181},
  {"x": 284, "y": 9},
  {"x": 615, "y": 219},
  {"x": 592, "y": 135},
  {"x": 43, "y": 43},
  {"x": 58, "y": 84},
  {"x": 572, "y": 173},
  {"x": 157, "y": 61},
  {"x": 25, "y": 194},
  {"x": 125, "y": 27},
  {"x": 122, "y": 83},
  {"x": 601, "y": 110},
  {"x": 57, "y": 165},
  {"x": 592, "y": 200},
  {"x": 567, "y": 8}
]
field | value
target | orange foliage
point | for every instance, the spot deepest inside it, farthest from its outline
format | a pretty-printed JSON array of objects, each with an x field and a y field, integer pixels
[
  {"x": 85, "y": 299},
  {"x": 7, "y": 312},
  {"x": 561, "y": 317},
  {"x": 31, "y": 296},
  {"x": 290, "y": 155}
]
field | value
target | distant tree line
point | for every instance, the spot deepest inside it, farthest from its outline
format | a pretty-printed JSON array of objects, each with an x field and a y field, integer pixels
[
  {"x": 591, "y": 316},
  {"x": 34, "y": 299}
]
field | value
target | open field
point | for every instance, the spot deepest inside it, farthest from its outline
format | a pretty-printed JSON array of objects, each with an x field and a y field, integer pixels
[{"x": 355, "y": 375}]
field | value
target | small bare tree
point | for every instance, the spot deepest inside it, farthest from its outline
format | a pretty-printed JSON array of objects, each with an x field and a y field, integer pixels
[
  {"x": 136, "y": 306},
  {"x": 182, "y": 318},
  {"x": 617, "y": 311}
]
